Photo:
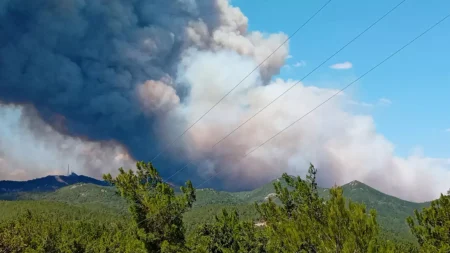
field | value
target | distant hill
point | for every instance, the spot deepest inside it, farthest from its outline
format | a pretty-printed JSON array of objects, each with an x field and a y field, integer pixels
[
  {"x": 9, "y": 189},
  {"x": 95, "y": 195},
  {"x": 391, "y": 211}
]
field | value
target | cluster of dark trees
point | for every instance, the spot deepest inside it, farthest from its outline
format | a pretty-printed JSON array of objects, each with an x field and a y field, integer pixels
[{"x": 301, "y": 221}]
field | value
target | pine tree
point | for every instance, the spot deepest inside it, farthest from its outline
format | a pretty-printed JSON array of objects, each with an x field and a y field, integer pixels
[
  {"x": 228, "y": 234},
  {"x": 349, "y": 228},
  {"x": 305, "y": 222},
  {"x": 431, "y": 226},
  {"x": 156, "y": 211}
]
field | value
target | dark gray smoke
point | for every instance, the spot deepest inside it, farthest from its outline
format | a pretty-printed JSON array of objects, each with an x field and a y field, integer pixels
[
  {"x": 99, "y": 70},
  {"x": 82, "y": 60}
]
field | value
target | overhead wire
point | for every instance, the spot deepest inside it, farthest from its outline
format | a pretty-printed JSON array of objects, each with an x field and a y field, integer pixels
[
  {"x": 239, "y": 83},
  {"x": 335, "y": 94},
  {"x": 331, "y": 97},
  {"x": 295, "y": 84},
  {"x": 229, "y": 92}
]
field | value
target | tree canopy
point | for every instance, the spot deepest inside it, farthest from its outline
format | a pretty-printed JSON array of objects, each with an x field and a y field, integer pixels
[
  {"x": 431, "y": 226},
  {"x": 296, "y": 219},
  {"x": 305, "y": 222},
  {"x": 156, "y": 211}
]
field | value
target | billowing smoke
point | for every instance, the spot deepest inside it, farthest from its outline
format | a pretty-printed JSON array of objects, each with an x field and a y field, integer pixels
[
  {"x": 99, "y": 84},
  {"x": 30, "y": 148},
  {"x": 344, "y": 145}
]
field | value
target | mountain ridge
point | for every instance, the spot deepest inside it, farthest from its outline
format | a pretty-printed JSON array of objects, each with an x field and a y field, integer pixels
[
  {"x": 391, "y": 211},
  {"x": 47, "y": 183},
  {"x": 54, "y": 182}
]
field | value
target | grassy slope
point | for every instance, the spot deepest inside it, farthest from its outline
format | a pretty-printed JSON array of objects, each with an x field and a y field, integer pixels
[{"x": 392, "y": 211}]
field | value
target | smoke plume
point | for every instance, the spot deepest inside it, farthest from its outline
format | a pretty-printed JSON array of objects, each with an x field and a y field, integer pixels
[
  {"x": 30, "y": 148},
  {"x": 100, "y": 84}
]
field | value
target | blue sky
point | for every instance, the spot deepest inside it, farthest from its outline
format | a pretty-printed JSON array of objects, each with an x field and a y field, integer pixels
[{"x": 416, "y": 81}]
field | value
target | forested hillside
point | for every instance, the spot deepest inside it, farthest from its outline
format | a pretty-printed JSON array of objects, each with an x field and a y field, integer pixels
[
  {"x": 97, "y": 218},
  {"x": 392, "y": 212}
]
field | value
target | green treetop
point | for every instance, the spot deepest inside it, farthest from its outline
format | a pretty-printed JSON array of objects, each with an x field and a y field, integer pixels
[
  {"x": 156, "y": 211},
  {"x": 307, "y": 223},
  {"x": 431, "y": 226}
]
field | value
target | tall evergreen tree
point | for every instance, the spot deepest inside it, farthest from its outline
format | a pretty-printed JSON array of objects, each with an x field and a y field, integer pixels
[
  {"x": 431, "y": 226},
  {"x": 307, "y": 223},
  {"x": 157, "y": 212}
]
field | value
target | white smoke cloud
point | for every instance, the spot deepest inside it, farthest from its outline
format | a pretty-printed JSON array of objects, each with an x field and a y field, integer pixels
[
  {"x": 29, "y": 148},
  {"x": 232, "y": 34},
  {"x": 345, "y": 146}
]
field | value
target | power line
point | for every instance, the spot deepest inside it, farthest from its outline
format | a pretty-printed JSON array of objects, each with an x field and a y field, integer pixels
[
  {"x": 331, "y": 97},
  {"x": 337, "y": 93},
  {"x": 192, "y": 125},
  {"x": 296, "y": 83},
  {"x": 228, "y": 93}
]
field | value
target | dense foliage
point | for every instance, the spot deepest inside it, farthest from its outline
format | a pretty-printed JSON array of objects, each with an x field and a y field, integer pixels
[
  {"x": 306, "y": 223},
  {"x": 432, "y": 226},
  {"x": 65, "y": 228},
  {"x": 228, "y": 234},
  {"x": 300, "y": 217},
  {"x": 156, "y": 211}
]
